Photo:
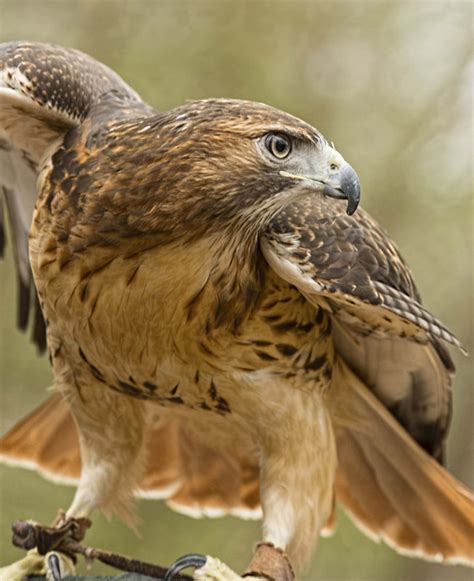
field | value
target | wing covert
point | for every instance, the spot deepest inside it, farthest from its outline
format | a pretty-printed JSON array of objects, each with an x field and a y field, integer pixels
[{"x": 348, "y": 265}]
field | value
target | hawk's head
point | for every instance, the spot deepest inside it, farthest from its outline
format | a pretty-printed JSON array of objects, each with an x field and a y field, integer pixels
[{"x": 219, "y": 162}]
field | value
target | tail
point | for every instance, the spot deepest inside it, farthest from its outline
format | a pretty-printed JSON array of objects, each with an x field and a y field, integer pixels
[
  {"x": 45, "y": 440},
  {"x": 393, "y": 490},
  {"x": 186, "y": 469}
]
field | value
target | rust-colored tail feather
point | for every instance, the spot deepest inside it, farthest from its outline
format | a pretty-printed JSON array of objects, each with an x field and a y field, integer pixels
[
  {"x": 394, "y": 490},
  {"x": 193, "y": 475},
  {"x": 45, "y": 440},
  {"x": 391, "y": 488}
]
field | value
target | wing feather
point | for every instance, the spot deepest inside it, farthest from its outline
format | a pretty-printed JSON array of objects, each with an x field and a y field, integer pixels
[
  {"x": 45, "y": 90},
  {"x": 351, "y": 262},
  {"x": 349, "y": 265}
]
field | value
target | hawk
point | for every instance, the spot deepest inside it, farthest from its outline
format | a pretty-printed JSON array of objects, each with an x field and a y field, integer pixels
[{"x": 225, "y": 329}]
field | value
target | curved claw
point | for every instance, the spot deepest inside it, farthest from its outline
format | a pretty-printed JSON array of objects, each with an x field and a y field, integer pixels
[
  {"x": 195, "y": 560},
  {"x": 54, "y": 567}
]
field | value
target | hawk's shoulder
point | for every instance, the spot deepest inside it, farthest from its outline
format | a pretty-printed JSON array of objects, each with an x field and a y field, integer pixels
[
  {"x": 349, "y": 265},
  {"x": 353, "y": 264}
]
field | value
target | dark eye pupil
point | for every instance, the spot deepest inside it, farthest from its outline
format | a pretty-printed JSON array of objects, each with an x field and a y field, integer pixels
[{"x": 278, "y": 145}]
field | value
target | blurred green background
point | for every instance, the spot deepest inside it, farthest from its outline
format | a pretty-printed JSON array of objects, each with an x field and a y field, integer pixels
[{"x": 391, "y": 84}]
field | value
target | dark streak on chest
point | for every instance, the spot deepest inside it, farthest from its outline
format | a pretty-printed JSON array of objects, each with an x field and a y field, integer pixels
[{"x": 151, "y": 391}]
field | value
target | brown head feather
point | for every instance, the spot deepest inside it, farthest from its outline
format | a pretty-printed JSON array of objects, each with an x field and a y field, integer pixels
[{"x": 192, "y": 170}]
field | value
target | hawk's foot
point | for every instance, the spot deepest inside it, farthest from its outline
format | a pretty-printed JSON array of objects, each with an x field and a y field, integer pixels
[
  {"x": 268, "y": 564},
  {"x": 63, "y": 537},
  {"x": 50, "y": 549}
]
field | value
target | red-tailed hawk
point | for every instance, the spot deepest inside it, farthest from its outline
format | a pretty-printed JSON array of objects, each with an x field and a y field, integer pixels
[{"x": 224, "y": 328}]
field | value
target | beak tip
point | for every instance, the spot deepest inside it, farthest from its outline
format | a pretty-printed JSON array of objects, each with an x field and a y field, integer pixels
[
  {"x": 352, "y": 188},
  {"x": 352, "y": 206}
]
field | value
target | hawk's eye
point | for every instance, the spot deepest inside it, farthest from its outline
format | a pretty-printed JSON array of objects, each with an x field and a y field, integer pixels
[{"x": 278, "y": 145}]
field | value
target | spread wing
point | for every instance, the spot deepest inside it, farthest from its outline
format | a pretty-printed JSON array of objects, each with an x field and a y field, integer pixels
[
  {"x": 45, "y": 90},
  {"x": 350, "y": 266}
]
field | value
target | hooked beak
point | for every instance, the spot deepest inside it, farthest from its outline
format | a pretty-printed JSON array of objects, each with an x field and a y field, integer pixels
[{"x": 342, "y": 183}]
